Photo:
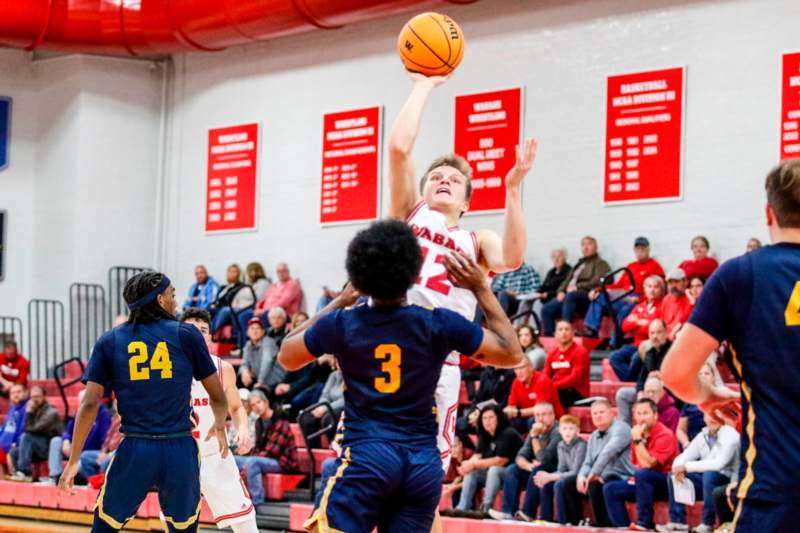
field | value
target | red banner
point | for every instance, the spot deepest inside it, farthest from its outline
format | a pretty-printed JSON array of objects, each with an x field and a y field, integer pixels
[
  {"x": 487, "y": 130},
  {"x": 790, "y": 107},
  {"x": 644, "y": 130},
  {"x": 232, "y": 178},
  {"x": 351, "y": 146}
]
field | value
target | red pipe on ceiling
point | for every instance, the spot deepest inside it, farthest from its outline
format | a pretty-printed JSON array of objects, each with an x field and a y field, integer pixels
[{"x": 158, "y": 27}]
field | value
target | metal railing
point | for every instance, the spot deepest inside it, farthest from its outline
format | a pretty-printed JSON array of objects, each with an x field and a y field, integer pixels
[
  {"x": 117, "y": 277},
  {"x": 87, "y": 317},
  {"x": 63, "y": 382},
  {"x": 605, "y": 281},
  {"x": 46, "y": 342},
  {"x": 11, "y": 330},
  {"x": 326, "y": 428}
]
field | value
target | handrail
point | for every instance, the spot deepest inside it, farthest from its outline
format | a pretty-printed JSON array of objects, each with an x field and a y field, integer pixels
[
  {"x": 609, "y": 302},
  {"x": 62, "y": 385},
  {"x": 306, "y": 438}
]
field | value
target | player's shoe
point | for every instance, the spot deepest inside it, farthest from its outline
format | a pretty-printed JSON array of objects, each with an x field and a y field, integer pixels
[
  {"x": 499, "y": 515},
  {"x": 674, "y": 526}
]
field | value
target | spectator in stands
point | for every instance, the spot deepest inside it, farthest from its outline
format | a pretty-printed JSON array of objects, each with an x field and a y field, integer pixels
[
  {"x": 203, "y": 291},
  {"x": 498, "y": 444},
  {"x": 568, "y": 366},
  {"x": 14, "y": 368},
  {"x": 61, "y": 446},
  {"x": 651, "y": 364},
  {"x": 708, "y": 462},
  {"x": 701, "y": 264},
  {"x": 298, "y": 318},
  {"x": 692, "y": 420},
  {"x": 538, "y": 453},
  {"x": 11, "y": 430},
  {"x": 530, "y": 388},
  {"x": 285, "y": 293},
  {"x": 608, "y": 459},
  {"x": 453, "y": 481},
  {"x": 278, "y": 325},
  {"x": 555, "y": 276},
  {"x": 625, "y": 361},
  {"x": 301, "y": 388},
  {"x": 257, "y": 278},
  {"x": 571, "y": 454},
  {"x": 94, "y": 462},
  {"x": 494, "y": 386},
  {"x": 696, "y": 284},
  {"x": 333, "y": 394},
  {"x": 578, "y": 289},
  {"x": 725, "y": 502},
  {"x": 753, "y": 244},
  {"x": 510, "y": 285},
  {"x": 234, "y": 296},
  {"x": 653, "y": 449},
  {"x": 260, "y": 366},
  {"x": 534, "y": 351},
  {"x": 642, "y": 268},
  {"x": 676, "y": 307},
  {"x": 41, "y": 424},
  {"x": 274, "y": 451},
  {"x": 668, "y": 414}
]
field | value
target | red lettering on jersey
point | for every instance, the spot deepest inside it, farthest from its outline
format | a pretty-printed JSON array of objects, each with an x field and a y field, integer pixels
[
  {"x": 425, "y": 233},
  {"x": 438, "y": 239},
  {"x": 450, "y": 243},
  {"x": 415, "y": 229}
]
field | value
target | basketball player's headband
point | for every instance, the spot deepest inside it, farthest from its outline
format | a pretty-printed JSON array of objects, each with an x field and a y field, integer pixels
[{"x": 150, "y": 296}]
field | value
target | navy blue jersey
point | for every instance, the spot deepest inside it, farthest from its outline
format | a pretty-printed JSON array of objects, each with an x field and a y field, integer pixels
[
  {"x": 753, "y": 302},
  {"x": 150, "y": 368},
  {"x": 391, "y": 359}
]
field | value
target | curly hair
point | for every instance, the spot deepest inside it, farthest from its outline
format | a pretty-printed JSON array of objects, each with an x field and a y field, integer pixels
[
  {"x": 196, "y": 313},
  {"x": 139, "y": 286},
  {"x": 384, "y": 260}
]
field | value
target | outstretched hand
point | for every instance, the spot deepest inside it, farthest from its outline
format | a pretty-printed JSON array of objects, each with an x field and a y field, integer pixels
[
  {"x": 723, "y": 405},
  {"x": 222, "y": 439},
  {"x": 434, "y": 81},
  {"x": 463, "y": 272},
  {"x": 525, "y": 157},
  {"x": 66, "y": 483}
]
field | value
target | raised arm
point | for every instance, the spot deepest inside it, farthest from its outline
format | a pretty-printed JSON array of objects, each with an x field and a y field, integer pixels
[
  {"x": 403, "y": 192},
  {"x": 506, "y": 254},
  {"x": 500, "y": 346}
]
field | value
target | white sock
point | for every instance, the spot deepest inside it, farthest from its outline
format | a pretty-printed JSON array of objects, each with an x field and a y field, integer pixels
[{"x": 245, "y": 527}]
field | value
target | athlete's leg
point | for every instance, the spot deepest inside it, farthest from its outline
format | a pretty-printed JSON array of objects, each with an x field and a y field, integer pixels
[
  {"x": 179, "y": 486},
  {"x": 421, "y": 495},
  {"x": 249, "y": 526},
  {"x": 446, "y": 398}
]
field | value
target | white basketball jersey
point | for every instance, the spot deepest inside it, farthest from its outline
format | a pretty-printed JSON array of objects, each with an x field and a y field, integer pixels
[
  {"x": 432, "y": 288},
  {"x": 203, "y": 414}
]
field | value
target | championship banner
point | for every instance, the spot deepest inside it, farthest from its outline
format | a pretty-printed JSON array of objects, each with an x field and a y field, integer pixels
[
  {"x": 487, "y": 130},
  {"x": 790, "y": 107},
  {"x": 644, "y": 137},
  {"x": 232, "y": 180},
  {"x": 350, "y": 185}
]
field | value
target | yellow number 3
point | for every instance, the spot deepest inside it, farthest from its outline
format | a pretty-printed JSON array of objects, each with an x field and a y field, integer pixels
[
  {"x": 792, "y": 313},
  {"x": 391, "y": 367},
  {"x": 139, "y": 356}
]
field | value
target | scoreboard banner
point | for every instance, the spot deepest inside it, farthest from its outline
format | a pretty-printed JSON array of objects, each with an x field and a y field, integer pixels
[{"x": 790, "y": 106}]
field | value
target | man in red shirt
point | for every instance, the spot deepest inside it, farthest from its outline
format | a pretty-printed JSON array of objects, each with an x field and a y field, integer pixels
[
  {"x": 568, "y": 366},
  {"x": 528, "y": 389},
  {"x": 642, "y": 268},
  {"x": 14, "y": 368},
  {"x": 677, "y": 307},
  {"x": 626, "y": 361},
  {"x": 653, "y": 448},
  {"x": 286, "y": 293}
]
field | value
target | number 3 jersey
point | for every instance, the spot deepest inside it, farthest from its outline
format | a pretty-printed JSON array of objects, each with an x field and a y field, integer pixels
[
  {"x": 150, "y": 368},
  {"x": 432, "y": 288},
  {"x": 391, "y": 358}
]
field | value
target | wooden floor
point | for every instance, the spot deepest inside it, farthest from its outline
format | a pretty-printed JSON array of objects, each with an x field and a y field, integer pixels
[{"x": 13, "y": 525}]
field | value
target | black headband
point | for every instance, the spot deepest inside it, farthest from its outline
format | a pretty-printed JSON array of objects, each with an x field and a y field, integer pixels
[{"x": 150, "y": 296}]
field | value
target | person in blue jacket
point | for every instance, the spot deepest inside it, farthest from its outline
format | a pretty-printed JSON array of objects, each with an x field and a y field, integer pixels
[{"x": 11, "y": 430}]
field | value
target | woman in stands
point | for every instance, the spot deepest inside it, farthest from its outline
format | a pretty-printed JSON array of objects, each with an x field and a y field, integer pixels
[
  {"x": 234, "y": 296},
  {"x": 702, "y": 264},
  {"x": 696, "y": 284},
  {"x": 534, "y": 351},
  {"x": 257, "y": 278}
]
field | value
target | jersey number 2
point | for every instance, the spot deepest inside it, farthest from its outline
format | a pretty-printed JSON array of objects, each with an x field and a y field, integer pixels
[
  {"x": 439, "y": 282},
  {"x": 139, "y": 356},
  {"x": 392, "y": 357},
  {"x": 792, "y": 313}
]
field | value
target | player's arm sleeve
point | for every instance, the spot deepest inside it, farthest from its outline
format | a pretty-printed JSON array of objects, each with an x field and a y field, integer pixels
[
  {"x": 99, "y": 368},
  {"x": 713, "y": 311},
  {"x": 459, "y": 334},
  {"x": 194, "y": 346},
  {"x": 322, "y": 337}
]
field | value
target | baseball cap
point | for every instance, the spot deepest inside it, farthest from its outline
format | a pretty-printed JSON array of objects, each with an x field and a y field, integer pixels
[
  {"x": 677, "y": 274},
  {"x": 641, "y": 241},
  {"x": 255, "y": 320}
]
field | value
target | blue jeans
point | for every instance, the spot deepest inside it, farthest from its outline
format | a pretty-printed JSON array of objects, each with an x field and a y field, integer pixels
[
  {"x": 54, "y": 457},
  {"x": 597, "y": 310},
  {"x": 562, "y": 503},
  {"x": 575, "y": 302},
  {"x": 626, "y": 362},
  {"x": 515, "y": 479},
  {"x": 651, "y": 486},
  {"x": 256, "y": 467},
  {"x": 30, "y": 447},
  {"x": 704, "y": 485},
  {"x": 492, "y": 477},
  {"x": 222, "y": 318},
  {"x": 89, "y": 466}
]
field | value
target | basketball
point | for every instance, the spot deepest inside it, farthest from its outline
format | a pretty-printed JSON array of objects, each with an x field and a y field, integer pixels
[{"x": 431, "y": 44}]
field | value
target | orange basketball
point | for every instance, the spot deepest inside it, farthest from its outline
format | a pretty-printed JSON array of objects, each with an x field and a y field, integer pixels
[{"x": 431, "y": 44}]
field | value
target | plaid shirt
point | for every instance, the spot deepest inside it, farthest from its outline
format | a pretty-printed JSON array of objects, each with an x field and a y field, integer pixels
[
  {"x": 522, "y": 281},
  {"x": 274, "y": 438}
]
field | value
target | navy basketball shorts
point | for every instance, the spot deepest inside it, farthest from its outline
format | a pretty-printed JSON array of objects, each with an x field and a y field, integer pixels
[
  {"x": 171, "y": 466},
  {"x": 393, "y": 487},
  {"x": 760, "y": 516}
]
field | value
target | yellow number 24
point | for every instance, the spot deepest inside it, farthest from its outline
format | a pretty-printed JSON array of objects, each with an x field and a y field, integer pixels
[
  {"x": 393, "y": 356},
  {"x": 139, "y": 356}
]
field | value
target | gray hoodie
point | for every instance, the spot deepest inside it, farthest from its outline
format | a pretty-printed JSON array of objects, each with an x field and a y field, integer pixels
[
  {"x": 571, "y": 456},
  {"x": 609, "y": 454},
  {"x": 262, "y": 361}
]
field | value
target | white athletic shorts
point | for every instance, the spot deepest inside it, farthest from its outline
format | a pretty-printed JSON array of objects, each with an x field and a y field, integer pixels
[
  {"x": 447, "y": 392},
  {"x": 224, "y": 490}
]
